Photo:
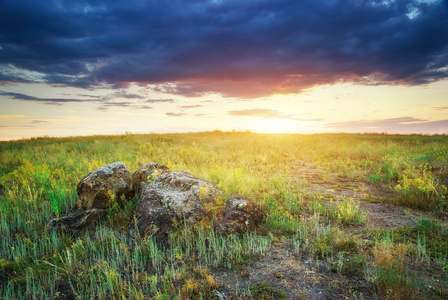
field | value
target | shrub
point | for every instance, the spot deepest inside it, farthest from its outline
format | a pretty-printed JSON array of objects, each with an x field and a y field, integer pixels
[
  {"x": 392, "y": 279},
  {"x": 262, "y": 290},
  {"x": 418, "y": 188}
]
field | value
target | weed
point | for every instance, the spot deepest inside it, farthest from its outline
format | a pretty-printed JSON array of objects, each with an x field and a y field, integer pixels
[
  {"x": 418, "y": 188},
  {"x": 392, "y": 279},
  {"x": 347, "y": 212},
  {"x": 350, "y": 264},
  {"x": 385, "y": 173},
  {"x": 262, "y": 290},
  {"x": 281, "y": 218}
]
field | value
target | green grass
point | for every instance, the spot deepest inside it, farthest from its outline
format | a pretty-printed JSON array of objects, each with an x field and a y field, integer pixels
[{"x": 38, "y": 179}]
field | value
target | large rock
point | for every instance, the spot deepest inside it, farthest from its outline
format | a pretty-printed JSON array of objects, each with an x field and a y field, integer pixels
[
  {"x": 172, "y": 197},
  {"x": 77, "y": 220},
  {"x": 155, "y": 220},
  {"x": 239, "y": 216},
  {"x": 104, "y": 186},
  {"x": 146, "y": 174}
]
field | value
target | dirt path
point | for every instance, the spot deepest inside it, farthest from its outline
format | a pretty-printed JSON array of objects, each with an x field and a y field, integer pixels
[
  {"x": 374, "y": 198},
  {"x": 285, "y": 270}
]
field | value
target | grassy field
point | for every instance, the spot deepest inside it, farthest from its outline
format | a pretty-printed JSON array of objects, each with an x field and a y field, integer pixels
[{"x": 347, "y": 216}]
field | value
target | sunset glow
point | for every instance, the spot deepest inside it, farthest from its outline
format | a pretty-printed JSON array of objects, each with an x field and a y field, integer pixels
[{"x": 275, "y": 126}]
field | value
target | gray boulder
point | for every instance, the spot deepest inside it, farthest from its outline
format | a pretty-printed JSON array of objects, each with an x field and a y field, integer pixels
[
  {"x": 146, "y": 174},
  {"x": 240, "y": 215},
  {"x": 108, "y": 184},
  {"x": 156, "y": 220},
  {"x": 172, "y": 197}
]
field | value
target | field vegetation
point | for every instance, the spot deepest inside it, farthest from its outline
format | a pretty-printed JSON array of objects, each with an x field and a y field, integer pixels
[{"x": 347, "y": 216}]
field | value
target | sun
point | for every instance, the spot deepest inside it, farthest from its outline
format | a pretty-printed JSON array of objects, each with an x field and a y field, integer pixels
[{"x": 274, "y": 126}]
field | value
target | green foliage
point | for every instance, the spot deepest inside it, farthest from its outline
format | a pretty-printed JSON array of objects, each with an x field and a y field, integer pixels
[
  {"x": 419, "y": 188},
  {"x": 386, "y": 173},
  {"x": 428, "y": 237},
  {"x": 392, "y": 278},
  {"x": 349, "y": 265},
  {"x": 282, "y": 219},
  {"x": 262, "y": 290},
  {"x": 427, "y": 226},
  {"x": 346, "y": 212}
]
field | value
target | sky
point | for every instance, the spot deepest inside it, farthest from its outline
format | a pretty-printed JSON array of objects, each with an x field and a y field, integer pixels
[{"x": 71, "y": 68}]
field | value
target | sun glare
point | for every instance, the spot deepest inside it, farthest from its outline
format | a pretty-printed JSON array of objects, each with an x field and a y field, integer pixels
[{"x": 274, "y": 126}]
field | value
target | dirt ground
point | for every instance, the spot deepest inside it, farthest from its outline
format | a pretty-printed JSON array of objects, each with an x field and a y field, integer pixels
[
  {"x": 298, "y": 278},
  {"x": 293, "y": 273}
]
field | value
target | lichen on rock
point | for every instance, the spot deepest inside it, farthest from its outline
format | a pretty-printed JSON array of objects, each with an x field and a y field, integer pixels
[
  {"x": 174, "y": 196},
  {"x": 240, "y": 215},
  {"x": 145, "y": 174},
  {"x": 104, "y": 186}
]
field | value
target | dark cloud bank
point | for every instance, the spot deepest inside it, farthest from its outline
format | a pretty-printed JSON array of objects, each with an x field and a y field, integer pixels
[{"x": 247, "y": 48}]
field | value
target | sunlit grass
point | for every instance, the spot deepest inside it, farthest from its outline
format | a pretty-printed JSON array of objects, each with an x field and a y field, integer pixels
[{"x": 38, "y": 179}]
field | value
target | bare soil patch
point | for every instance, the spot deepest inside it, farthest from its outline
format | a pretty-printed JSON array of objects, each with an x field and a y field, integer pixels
[
  {"x": 375, "y": 199},
  {"x": 285, "y": 270}
]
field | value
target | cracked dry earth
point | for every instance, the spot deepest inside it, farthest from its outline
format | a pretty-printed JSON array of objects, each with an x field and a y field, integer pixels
[{"x": 291, "y": 272}]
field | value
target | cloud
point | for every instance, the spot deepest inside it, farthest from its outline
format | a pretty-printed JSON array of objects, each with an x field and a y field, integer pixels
[
  {"x": 123, "y": 94},
  {"x": 105, "y": 102},
  {"x": 191, "y": 106},
  {"x": 88, "y": 96},
  {"x": 245, "y": 49},
  {"x": 106, "y": 105},
  {"x": 440, "y": 108},
  {"x": 160, "y": 101},
  {"x": 262, "y": 113},
  {"x": 171, "y": 114},
  {"x": 38, "y": 121},
  {"x": 54, "y": 101},
  {"x": 267, "y": 114},
  {"x": 406, "y": 125}
]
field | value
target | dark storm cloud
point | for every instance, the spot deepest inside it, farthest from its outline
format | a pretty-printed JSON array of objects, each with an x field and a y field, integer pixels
[
  {"x": 237, "y": 48},
  {"x": 406, "y": 125}
]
